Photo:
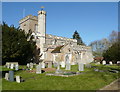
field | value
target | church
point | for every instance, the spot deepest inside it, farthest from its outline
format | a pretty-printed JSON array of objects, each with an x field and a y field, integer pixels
[{"x": 54, "y": 48}]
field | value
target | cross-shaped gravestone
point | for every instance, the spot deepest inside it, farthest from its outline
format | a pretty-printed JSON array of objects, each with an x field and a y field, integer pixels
[
  {"x": 11, "y": 75},
  {"x": 18, "y": 79},
  {"x": 68, "y": 66},
  {"x": 7, "y": 76},
  {"x": 80, "y": 66},
  {"x": 38, "y": 69}
]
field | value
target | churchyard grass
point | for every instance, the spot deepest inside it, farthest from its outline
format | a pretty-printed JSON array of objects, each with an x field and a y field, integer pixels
[{"x": 90, "y": 80}]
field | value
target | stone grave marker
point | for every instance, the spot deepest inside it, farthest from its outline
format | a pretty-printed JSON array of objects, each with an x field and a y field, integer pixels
[
  {"x": 43, "y": 65},
  {"x": 88, "y": 65},
  {"x": 63, "y": 64},
  {"x": 80, "y": 66},
  {"x": 38, "y": 69},
  {"x": 7, "y": 76},
  {"x": 11, "y": 75},
  {"x": 103, "y": 62},
  {"x": 49, "y": 65},
  {"x": 118, "y": 62},
  {"x": 28, "y": 65},
  {"x": 68, "y": 66},
  {"x": 18, "y": 79},
  {"x": 16, "y": 67},
  {"x": 11, "y": 66},
  {"x": 31, "y": 65},
  {"x": 55, "y": 64},
  {"x": 8, "y": 65},
  {"x": 98, "y": 63},
  {"x": 58, "y": 66},
  {"x": 110, "y": 62}
]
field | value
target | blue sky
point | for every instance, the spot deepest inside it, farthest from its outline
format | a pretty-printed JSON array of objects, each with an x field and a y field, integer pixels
[{"x": 93, "y": 21}]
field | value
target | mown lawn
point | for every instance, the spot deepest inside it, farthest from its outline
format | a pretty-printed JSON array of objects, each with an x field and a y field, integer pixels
[{"x": 90, "y": 80}]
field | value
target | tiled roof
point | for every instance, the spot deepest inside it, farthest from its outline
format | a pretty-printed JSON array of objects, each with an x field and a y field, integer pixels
[{"x": 57, "y": 49}]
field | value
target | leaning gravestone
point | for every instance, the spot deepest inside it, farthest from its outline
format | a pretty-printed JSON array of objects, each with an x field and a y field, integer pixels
[
  {"x": 43, "y": 65},
  {"x": 7, "y": 76},
  {"x": 49, "y": 65},
  {"x": 11, "y": 66},
  {"x": 38, "y": 69},
  {"x": 16, "y": 67},
  {"x": 11, "y": 75},
  {"x": 68, "y": 66},
  {"x": 103, "y": 62},
  {"x": 80, "y": 66},
  {"x": 18, "y": 79},
  {"x": 110, "y": 62},
  {"x": 63, "y": 64}
]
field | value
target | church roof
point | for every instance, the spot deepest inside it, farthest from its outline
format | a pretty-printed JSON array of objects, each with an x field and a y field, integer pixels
[{"x": 57, "y": 49}]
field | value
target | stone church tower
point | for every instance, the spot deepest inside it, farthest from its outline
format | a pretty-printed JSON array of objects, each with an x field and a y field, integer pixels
[
  {"x": 41, "y": 32},
  {"x": 54, "y": 48}
]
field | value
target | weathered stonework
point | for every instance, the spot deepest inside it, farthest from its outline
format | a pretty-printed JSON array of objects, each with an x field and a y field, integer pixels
[{"x": 55, "y": 48}]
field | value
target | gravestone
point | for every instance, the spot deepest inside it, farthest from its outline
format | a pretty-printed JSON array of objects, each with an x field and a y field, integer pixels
[
  {"x": 88, "y": 65},
  {"x": 110, "y": 62},
  {"x": 11, "y": 66},
  {"x": 11, "y": 75},
  {"x": 7, "y": 76},
  {"x": 63, "y": 64},
  {"x": 38, "y": 69},
  {"x": 103, "y": 62},
  {"x": 80, "y": 66},
  {"x": 18, "y": 79},
  {"x": 8, "y": 65},
  {"x": 98, "y": 63},
  {"x": 16, "y": 67},
  {"x": 31, "y": 65},
  {"x": 58, "y": 66},
  {"x": 118, "y": 62},
  {"x": 28, "y": 65},
  {"x": 50, "y": 65},
  {"x": 43, "y": 65},
  {"x": 55, "y": 64},
  {"x": 68, "y": 66}
]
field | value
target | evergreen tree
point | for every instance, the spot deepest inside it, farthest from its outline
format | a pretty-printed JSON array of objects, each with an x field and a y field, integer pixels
[
  {"x": 15, "y": 47},
  {"x": 78, "y": 38},
  {"x": 113, "y": 53}
]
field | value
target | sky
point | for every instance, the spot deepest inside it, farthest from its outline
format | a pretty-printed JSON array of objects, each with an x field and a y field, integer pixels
[{"x": 92, "y": 20}]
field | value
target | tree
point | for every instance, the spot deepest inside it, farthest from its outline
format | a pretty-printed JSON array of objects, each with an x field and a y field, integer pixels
[
  {"x": 99, "y": 46},
  {"x": 15, "y": 47},
  {"x": 113, "y": 53},
  {"x": 78, "y": 38}
]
